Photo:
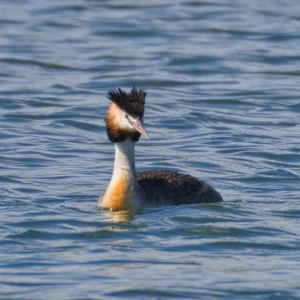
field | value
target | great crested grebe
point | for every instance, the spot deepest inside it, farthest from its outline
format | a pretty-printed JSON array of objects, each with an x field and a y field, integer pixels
[{"x": 129, "y": 190}]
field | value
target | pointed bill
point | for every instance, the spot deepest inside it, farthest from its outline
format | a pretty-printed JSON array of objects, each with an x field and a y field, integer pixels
[{"x": 137, "y": 125}]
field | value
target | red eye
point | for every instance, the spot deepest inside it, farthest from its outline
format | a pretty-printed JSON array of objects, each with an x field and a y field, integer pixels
[{"x": 126, "y": 116}]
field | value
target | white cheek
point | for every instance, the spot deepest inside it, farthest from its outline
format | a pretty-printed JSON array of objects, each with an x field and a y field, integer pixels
[{"x": 123, "y": 121}]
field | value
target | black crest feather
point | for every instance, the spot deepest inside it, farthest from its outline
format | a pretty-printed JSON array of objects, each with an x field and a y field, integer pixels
[{"x": 133, "y": 103}]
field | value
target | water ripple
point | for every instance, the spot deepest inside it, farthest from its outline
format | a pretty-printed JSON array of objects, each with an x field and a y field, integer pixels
[{"x": 222, "y": 104}]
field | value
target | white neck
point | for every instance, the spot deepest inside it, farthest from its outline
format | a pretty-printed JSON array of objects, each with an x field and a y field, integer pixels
[
  {"x": 124, "y": 160},
  {"x": 124, "y": 170}
]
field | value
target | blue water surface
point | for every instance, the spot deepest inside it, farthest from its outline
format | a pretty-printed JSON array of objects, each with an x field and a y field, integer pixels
[{"x": 223, "y": 104}]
